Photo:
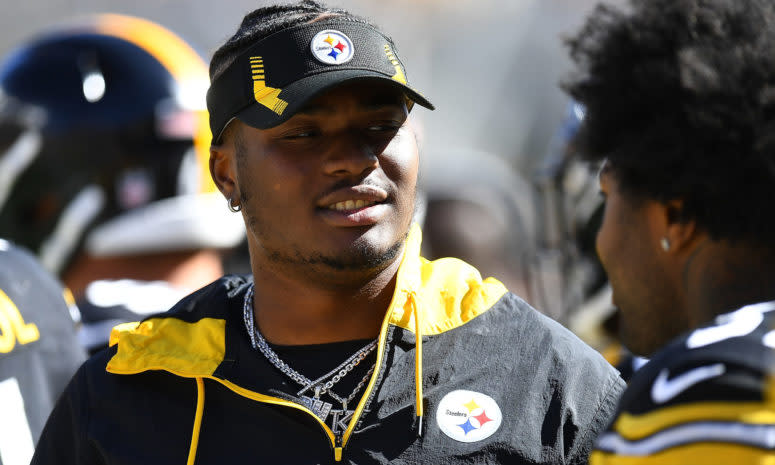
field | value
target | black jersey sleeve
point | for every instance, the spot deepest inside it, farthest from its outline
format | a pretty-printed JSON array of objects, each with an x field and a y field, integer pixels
[{"x": 707, "y": 398}]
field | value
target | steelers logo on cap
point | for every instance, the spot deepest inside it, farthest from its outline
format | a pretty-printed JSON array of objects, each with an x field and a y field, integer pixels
[{"x": 332, "y": 47}]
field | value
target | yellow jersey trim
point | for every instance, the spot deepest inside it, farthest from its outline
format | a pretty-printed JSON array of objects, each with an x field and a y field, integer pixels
[
  {"x": 634, "y": 427},
  {"x": 694, "y": 454}
]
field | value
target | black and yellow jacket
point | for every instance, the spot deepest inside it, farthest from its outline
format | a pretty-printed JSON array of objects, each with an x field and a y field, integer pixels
[{"x": 495, "y": 381}]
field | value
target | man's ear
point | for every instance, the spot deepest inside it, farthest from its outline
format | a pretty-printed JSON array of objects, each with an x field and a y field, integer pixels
[
  {"x": 681, "y": 234},
  {"x": 222, "y": 168}
]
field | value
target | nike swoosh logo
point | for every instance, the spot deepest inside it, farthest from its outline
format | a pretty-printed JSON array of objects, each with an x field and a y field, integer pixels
[{"x": 665, "y": 389}]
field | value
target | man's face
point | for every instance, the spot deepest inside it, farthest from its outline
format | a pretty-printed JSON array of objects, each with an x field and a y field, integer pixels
[
  {"x": 643, "y": 290},
  {"x": 333, "y": 187}
]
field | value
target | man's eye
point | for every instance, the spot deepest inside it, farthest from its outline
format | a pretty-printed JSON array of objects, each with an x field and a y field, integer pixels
[
  {"x": 300, "y": 134},
  {"x": 384, "y": 127}
]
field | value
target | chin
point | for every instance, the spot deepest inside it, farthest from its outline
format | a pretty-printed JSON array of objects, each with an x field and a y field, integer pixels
[
  {"x": 640, "y": 349},
  {"x": 363, "y": 256},
  {"x": 643, "y": 341}
]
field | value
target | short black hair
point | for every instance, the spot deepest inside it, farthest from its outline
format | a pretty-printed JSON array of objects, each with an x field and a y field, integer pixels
[
  {"x": 265, "y": 21},
  {"x": 680, "y": 100}
]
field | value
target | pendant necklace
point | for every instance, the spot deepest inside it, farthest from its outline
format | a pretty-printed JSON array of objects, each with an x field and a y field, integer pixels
[{"x": 312, "y": 390}]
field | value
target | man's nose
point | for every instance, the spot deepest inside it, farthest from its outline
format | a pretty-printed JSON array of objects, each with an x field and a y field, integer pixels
[{"x": 351, "y": 155}]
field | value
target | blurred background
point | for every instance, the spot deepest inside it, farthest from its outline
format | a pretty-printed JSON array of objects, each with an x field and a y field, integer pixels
[
  {"x": 491, "y": 67},
  {"x": 498, "y": 191}
]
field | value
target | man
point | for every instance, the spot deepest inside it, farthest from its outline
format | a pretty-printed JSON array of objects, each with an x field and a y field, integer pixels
[
  {"x": 344, "y": 345},
  {"x": 679, "y": 107},
  {"x": 104, "y": 168},
  {"x": 39, "y": 350}
]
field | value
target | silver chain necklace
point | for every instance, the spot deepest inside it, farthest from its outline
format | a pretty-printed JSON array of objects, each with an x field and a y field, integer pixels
[{"x": 318, "y": 386}]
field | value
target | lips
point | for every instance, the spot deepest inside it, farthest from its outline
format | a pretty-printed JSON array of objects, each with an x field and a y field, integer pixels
[{"x": 361, "y": 205}]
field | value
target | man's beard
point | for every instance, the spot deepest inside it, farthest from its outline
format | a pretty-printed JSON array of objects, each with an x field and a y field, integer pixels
[{"x": 361, "y": 258}]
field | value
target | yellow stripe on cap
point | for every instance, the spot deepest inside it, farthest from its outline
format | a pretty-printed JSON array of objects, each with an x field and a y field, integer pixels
[
  {"x": 399, "y": 76},
  {"x": 265, "y": 95}
]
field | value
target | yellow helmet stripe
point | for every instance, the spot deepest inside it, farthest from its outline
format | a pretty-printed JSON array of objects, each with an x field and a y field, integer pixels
[{"x": 177, "y": 56}]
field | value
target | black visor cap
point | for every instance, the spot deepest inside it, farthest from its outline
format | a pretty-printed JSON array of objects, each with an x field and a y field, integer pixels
[{"x": 276, "y": 77}]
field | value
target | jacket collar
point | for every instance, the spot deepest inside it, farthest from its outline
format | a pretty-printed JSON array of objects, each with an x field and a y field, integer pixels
[{"x": 193, "y": 343}]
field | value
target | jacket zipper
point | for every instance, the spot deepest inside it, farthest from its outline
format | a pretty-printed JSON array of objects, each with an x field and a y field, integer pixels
[{"x": 338, "y": 447}]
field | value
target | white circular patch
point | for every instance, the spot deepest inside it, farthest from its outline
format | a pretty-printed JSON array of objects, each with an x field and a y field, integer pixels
[
  {"x": 332, "y": 47},
  {"x": 468, "y": 416}
]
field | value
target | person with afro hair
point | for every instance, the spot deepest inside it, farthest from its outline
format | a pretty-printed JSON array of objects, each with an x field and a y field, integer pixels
[{"x": 680, "y": 114}]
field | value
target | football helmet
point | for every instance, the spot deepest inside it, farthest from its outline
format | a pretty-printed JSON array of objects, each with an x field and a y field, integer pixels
[{"x": 104, "y": 144}]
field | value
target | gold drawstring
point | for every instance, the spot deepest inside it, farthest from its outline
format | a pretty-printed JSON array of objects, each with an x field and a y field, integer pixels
[
  {"x": 417, "y": 361},
  {"x": 200, "y": 407},
  {"x": 412, "y": 300}
]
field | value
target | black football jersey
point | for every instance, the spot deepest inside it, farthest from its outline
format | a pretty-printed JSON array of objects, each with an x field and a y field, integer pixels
[
  {"x": 39, "y": 350},
  {"x": 707, "y": 398}
]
